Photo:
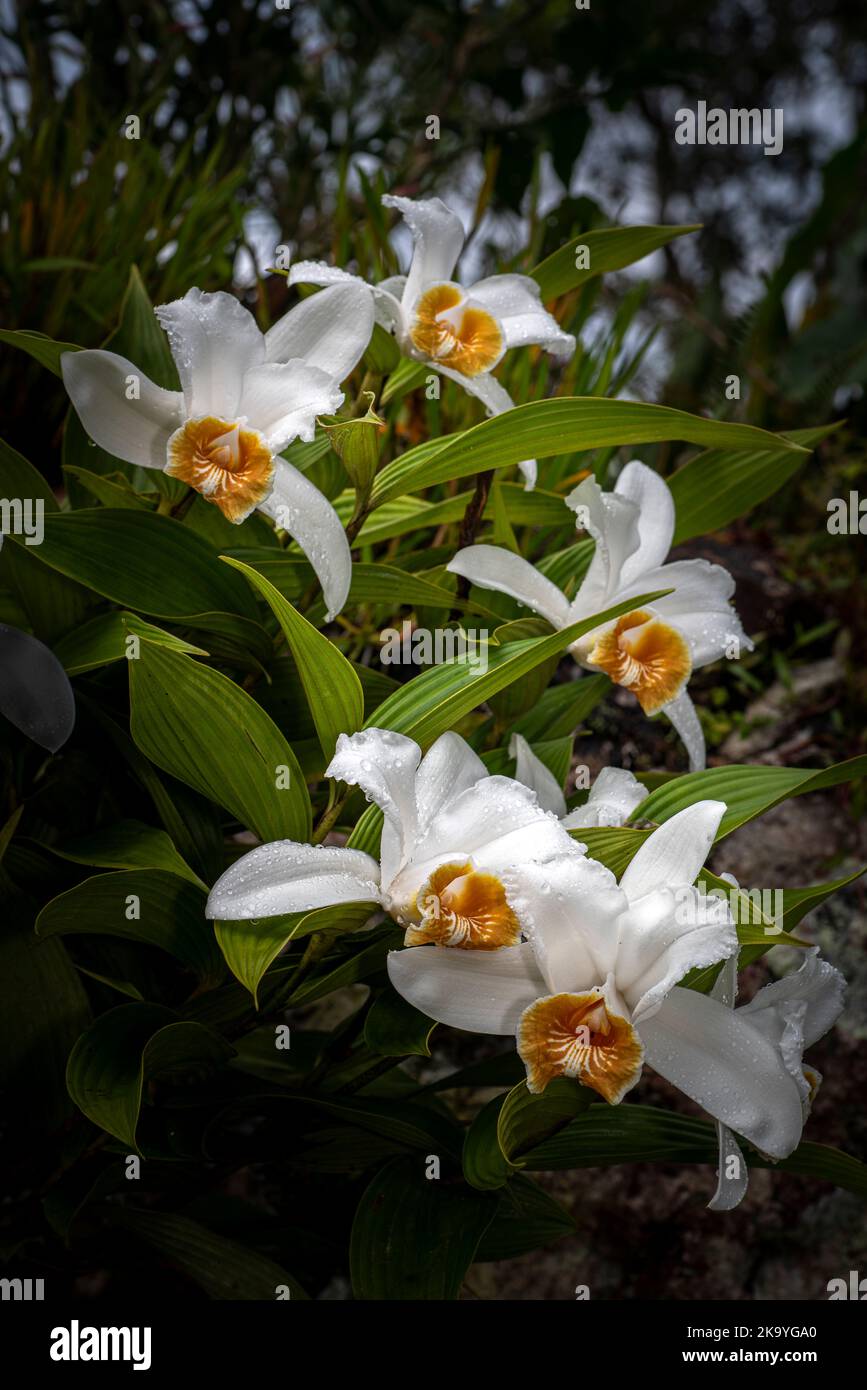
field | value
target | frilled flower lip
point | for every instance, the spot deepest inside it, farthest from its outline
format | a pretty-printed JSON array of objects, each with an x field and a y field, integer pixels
[
  {"x": 632, "y": 528},
  {"x": 263, "y": 389}
]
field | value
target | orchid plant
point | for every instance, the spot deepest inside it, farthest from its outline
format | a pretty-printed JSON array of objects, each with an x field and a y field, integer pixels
[{"x": 343, "y": 874}]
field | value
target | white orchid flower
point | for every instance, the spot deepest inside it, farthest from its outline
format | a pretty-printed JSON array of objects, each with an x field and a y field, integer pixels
[
  {"x": 454, "y": 845},
  {"x": 612, "y": 799},
  {"x": 594, "y": 993},
  {"x": 245, "y": 396},
  {"x": 792, "y": 1014},
  {"x": 653, "y": 650},
  {"x": 462, "y": 332}
]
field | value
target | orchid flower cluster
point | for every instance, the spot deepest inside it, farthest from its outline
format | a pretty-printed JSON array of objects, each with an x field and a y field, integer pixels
[{"x": 511, "y": 927}]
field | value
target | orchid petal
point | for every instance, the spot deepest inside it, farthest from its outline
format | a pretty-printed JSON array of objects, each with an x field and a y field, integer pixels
[
  {"x": 516, "y": 301},
  {"x": 652, "y": 495},
  {"x": 665, "y": 934},
  {"x": 479, "y": 991},
  {"x": 569, "y": 908},
  {"x": 726, "y": 1065},
  {"x": 493, "y": 567},
  {"x": 300, "y": 508},
  {"x": 285, "y": 876},
  {"x": 817, "y": 984},
  {"x": 438, "y": 236},
  {"x": 730, "y": 1191},
  {"x": 384, "y": 765},
  {"x": 672, "y": 856},
  {"x": 613, "y": 522},
  {"x": 282, "y": 400},
  {"x": 137, "y": 431},
  {"x": 329, "y": 330},
  {"x": 215, "y": 341},
  {"x": 681, "y": 712},
  {"x": 448, "y": 768},
  {"x": 614, "y": 796},
  {"x": 533, "y": 773}
]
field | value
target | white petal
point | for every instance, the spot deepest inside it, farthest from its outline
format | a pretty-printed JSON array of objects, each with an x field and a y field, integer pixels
[
  {"x": 493, "y": 567},
  {"x": 282, "y": 400},
  {"x": 517, "y": 302},
  {"x": 287, "y": 877},
  {"x": 725, "y": 986},
  {"x": 480, "y": 991},
  {"x": 681, "y": 712},
  {"x": 713, "y": 635},
  {"x": 612, "y": 521},
  {"x": 652, "y": 495},
  {"x": 329, "y": 330},
  {"x": 613, "y": 797},
  {"x": 534, "y": 774},
  {"x": 724, "y": 1064},
  {"x": 672, "y": 856},
  {"x": 136, "y": 431},
  {"x": 662, "y": 936},
  {"x": 320, "y": 273},
  {"x": 214, "y": 341},
  {"x": 386, "y": 303},
  {"x": 300, "y": 508},
  {"x": 817, "y": 984},
  {"x": 448, "y": 768},
  {"x": 438, "y": 236},
  {"x": 569, "y": 907},
  {"x": 384, "y": 765},
  {"x": 699, "y": 587},
  {"x": 730, "y": 1191}
]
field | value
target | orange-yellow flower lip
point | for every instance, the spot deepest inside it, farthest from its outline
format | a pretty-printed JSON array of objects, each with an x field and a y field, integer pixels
[
  {"x": 230, "y": 466},
  {"x": 468, "y": 339},
  {"x": 457, "y": 906},
  {"x": 646, "y": 656},
  {"x": 581, "y": 1036}
]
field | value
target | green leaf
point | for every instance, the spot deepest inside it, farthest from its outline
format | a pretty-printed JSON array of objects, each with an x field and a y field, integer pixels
[
  {"x": 104, "y": 640},
  {"x": 124, "y": 1049},
  {"x": 171, "y": 915},
  {"x": 433, "y": 702},
  {"x": 557, "y": 426},
  {"x": 250, "y": 947},
  {"x": 527, "y": 1120},
  {"x": 222, "y": 1267},
  {"x": 332, "y": 688},
  {"x": 107, "y": 491},
  {"x": 611, "y": 248},
  {"x": 797, "y": 902},
  {"x": 413, "y": 1238},
  {"x": 46, "y": 351},
  {"x": 718, "y": 486},
  {"x": 610, "y": 1134},
  {"x": 562, "y": 708},
  {"x": 143, "y": 561},
  {"x": 484, "y": 1163},
  {"x": 208, "y": 732},
  {"x": 527, "y": 1218},
  {"x": 128, "y": 844},
  {"x": 393, "y": 1028},
  {"x": 747, "y": 791}
]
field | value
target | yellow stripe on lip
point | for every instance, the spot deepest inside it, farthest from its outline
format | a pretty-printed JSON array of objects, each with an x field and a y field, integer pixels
[
  {"x": 469, "y": 342},
  {"x": 459, "y": 907},
  {"x": 230, "y": 467},
  {"x": 578, "y": 1035},
  {"x": 645, "y": 656}
]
